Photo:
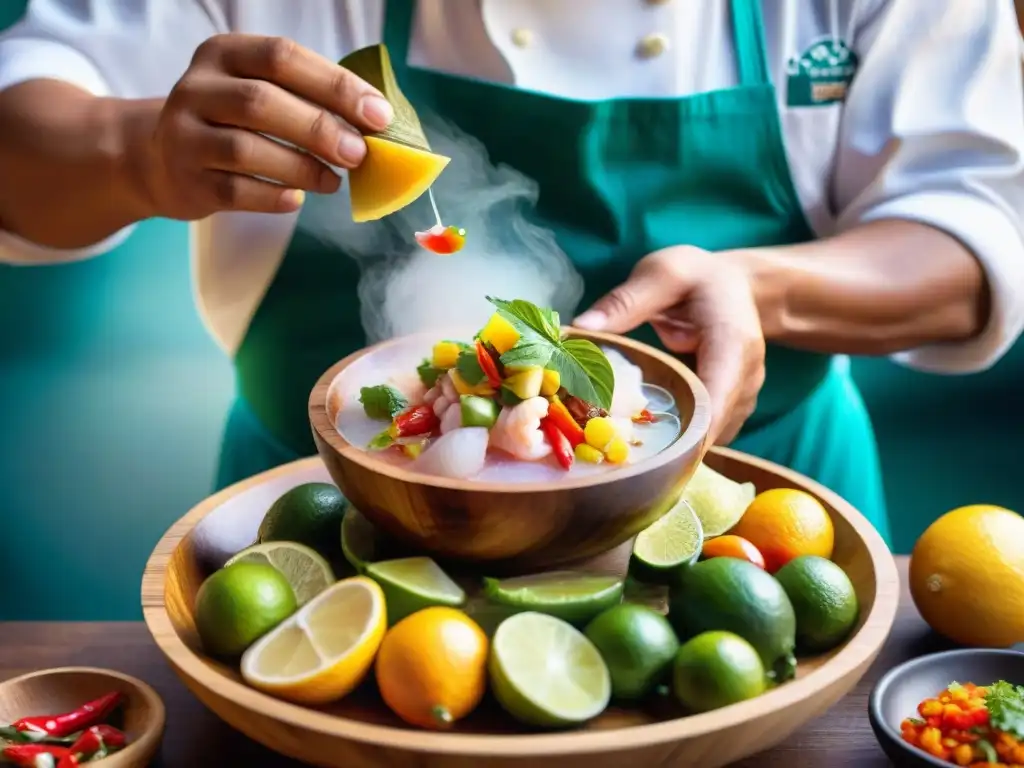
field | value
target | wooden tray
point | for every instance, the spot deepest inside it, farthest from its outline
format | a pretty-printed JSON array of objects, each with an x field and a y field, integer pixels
[{"x": 360, "y": 732}]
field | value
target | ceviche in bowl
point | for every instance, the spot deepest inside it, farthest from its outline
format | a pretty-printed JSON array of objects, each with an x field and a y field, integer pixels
[{"x": 513, "y": 435}]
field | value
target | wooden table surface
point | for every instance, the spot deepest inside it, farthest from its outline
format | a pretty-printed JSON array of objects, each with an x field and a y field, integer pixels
[{"x": 195, "y": 737}]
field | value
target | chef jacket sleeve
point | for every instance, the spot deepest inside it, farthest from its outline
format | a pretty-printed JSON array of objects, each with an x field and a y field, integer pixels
[
  {"x": 122, "y": 48},
  {"x": 933, "y": 131}
]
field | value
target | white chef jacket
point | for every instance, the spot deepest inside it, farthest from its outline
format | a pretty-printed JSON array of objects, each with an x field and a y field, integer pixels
[{"x": 931, "y": 129}]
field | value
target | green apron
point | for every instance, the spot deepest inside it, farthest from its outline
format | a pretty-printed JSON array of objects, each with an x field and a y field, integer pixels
[{"x": 618, "y": 178}]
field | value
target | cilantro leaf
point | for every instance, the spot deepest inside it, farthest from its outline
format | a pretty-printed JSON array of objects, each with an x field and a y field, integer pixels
[
  {"x": 583, "y": 368},
  {"x": 382, "y": 401},
  {"x": 526, "y": 316},
  {"x": 381, "y": 441},
  {"x": 527, "y": 352},
  {"x": 584, "y": 371},
  {"x": 469, "y": 368},
  {"x": 1005, "y": 705},
  {"x": 428, "y": 373}
]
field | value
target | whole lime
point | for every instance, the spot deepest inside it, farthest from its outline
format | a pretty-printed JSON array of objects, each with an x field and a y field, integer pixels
[
  {"x": 732, "y": 595},
  {"x": 309, "y": 514},
  {"x": 716, "y": 669},
  {"x": 824, "y": 602},
  {"x": 239, "y": 604},
  {"x": 638, "y": 646}
]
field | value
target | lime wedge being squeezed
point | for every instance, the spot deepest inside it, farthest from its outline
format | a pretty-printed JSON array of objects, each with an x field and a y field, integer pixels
[
  {"x": 303, "y": 568},
  {"x": 672, "y": 541},
  {"x": 546, "y": 672},
  {"x": 412, "y": 584},
  {"x": 573, "y": 596}
]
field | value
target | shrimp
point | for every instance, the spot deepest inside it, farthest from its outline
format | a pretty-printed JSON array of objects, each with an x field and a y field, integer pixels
[
  {"x": 451, "y": 418},
  {"x": 442, "y": 396},
  {"x": 517, "y": 430},
  {"x": 628, "y": 397}
]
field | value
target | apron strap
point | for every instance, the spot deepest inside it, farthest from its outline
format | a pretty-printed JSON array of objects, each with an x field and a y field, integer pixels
[
  {"x": 398, "y": 15},
  {"x": 748, "y": 33}
]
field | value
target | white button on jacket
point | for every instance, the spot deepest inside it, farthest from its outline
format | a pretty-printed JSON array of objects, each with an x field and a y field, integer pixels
[{"x": 931, "y": 129}]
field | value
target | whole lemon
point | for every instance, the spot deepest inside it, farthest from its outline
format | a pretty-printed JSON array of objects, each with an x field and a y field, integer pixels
[{"x": 967, "y": 576}]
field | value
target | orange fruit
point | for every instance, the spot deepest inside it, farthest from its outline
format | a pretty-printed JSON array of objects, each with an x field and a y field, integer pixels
[
  {"x": 732, "y": 546},
  {"x": 967, "y": 576},
  {"x": 432, "y": 667},
  {"x": 785, "y": 523}
]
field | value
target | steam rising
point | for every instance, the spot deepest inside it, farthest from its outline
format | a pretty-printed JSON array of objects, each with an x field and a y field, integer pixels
[{"x": 406, "y": 289}]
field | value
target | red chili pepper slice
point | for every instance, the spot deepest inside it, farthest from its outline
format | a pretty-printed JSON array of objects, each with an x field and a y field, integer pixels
[
  {"x": 644, "y": 417},
  {"x": 566, "y": 424},
  {"x": 64, "y": 725},
  {"x": 559, "y": 443},
  {"x": 95, "y": 741},
  {"x": 30, "y": 754},
  {"x": 418, "y": 420},
  {"x": 442, "y": 240},
  {"x": 487, "y": 365}
]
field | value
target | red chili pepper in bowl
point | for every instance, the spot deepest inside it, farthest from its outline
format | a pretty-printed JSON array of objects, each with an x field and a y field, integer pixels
[
  {"x": 487, "y": 365},
  {"x": 97, "y": 741},
  {"x": 560, "y": 445},
  {"x": 419, "y": 420},
  {"x": 644, "y": 417},
  {"x": 34, "y": 755},
  {"x": 565, "y": 422},
  {"x": 64, "y": 725}
]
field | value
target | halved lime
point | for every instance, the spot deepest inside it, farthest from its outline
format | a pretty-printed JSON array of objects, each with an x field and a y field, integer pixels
[
  {"x": 305, "y": 570},
  {"x": 358, "y": 540},
  {"x": 718, "y": 501},
  {"x": 573, "y": 596},
  {"x": 671, "y": 542},
  {"x": 412, "y": 584},
  {"x": 545, "y": 672}
]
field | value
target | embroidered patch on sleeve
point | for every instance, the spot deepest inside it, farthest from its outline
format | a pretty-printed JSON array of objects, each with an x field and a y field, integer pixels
[{"x": 821, "y": 75}]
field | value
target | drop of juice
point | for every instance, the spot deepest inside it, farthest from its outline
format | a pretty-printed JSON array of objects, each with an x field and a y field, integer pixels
[{"x": 439, "y": 238}]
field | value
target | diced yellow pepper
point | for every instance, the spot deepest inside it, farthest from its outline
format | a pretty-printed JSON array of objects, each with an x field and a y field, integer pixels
[
  {"x": 483, "y": 389},
  {"x": 500, "y": 334},
  {"x": 550, "y": 383},
  {"x": 599, "y": 432},
  {"x": 446, "y": 354},
  {"x": 588, "y": 454},
  {"x": 617, "y": 451}
]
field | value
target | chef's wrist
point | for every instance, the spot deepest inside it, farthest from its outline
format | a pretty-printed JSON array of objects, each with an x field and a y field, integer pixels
[
  {"x": 772, "y": 276},
  {"x": 133, "y": 126}
]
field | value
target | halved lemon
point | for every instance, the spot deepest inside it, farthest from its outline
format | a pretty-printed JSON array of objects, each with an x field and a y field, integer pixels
[
  {"x": 390, "y": 177},
  {"x": 323, "y": 651}
]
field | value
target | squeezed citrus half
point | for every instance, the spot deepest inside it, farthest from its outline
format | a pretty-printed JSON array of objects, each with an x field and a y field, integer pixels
[
  {"x": 324, "y": 650},
  {"x": 390, "y": 177}
]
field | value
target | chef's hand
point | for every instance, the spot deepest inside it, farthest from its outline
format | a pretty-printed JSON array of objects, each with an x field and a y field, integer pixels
[
  {"x": 698, "y": 302},
  {"x": 212, "y": 149}
]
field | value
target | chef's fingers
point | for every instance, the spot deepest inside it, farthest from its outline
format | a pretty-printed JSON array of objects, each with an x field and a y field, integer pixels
[
  {"x": 730, "y": 363},
  {"x": 261, "y": 106},
  {"x": 235, "y": 192},
  {"x": 303, "y": 72},
  {"x": 248, "y": 153},
  {"x": 654, "y": 286}
]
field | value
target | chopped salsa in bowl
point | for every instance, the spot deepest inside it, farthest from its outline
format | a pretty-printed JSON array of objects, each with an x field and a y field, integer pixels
[{"x": 971, "y": 725}]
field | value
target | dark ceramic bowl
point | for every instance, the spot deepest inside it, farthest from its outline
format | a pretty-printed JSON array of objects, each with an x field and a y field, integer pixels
[{"x": 898, "y": 693}]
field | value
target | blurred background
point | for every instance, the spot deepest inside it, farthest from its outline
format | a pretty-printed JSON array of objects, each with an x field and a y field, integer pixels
[{"x": 110, "y": 432}]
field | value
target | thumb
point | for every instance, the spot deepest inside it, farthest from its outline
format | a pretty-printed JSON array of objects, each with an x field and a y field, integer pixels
[{"x": 644, "y": 296}]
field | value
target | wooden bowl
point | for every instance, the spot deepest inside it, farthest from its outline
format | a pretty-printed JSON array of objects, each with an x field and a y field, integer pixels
[
  {"x": 359, "y": 731},
  {"x": 512, "y": 526},
  {"x": 53, "y": 691}
]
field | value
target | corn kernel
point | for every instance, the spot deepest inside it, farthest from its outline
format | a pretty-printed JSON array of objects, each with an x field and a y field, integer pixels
[
  {"x": 500, "y": 334},
  {"x": 599, "y": 432},
  {"x": 951, "y": 710},
  {"x": 589, "y": 454},
  {"x": 550, "y": 383},
  {"x": 617, "y": 450},
  {"x": 963, "y": 755},
  {"x": 931, "y": 737},
  {"x": 959, "y": 694},
  {"x": 446, "y": 354},
  {"x": 930, "y": 708},
  {"x": 483, "y": 389},
  {"x": 950, "y": 743}
]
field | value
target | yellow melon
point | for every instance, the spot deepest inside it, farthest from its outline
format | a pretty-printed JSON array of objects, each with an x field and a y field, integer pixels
[{"x": 390, "y": 177}]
